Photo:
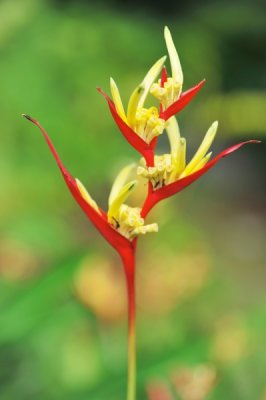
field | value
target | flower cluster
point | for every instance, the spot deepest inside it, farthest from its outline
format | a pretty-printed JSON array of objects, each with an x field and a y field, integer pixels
[{"x": 167, "y": 174}]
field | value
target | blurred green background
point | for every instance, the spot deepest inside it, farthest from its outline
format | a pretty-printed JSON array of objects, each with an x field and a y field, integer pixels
[{"x": 201, "y": 279}]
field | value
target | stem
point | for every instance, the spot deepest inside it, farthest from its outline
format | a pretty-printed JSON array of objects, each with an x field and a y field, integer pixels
[
  {"x": 149, "y": 157},
  {"x": 129, "y": 265},
  {"x": 149, "y": 203}
]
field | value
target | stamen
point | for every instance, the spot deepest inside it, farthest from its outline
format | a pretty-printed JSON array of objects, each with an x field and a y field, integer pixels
[
  {"x": 130, "y": 223},
  {"x": 148, "y": 124},
  {"x": 167, "y": 94},
  {"x": 142, "y": 230},
  {"x": 160, "y": 173}
]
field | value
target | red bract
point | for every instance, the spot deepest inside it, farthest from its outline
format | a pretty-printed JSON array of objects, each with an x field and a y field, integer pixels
[
  {"x": 184, "y": 99},
  {"x": 119, "y": 242},
  {"x": 155, "y": 196},
  {"x": 131, "y": 136}
]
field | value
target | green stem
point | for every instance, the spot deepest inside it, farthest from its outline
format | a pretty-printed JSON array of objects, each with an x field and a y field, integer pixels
[{"x": 129, "y": 264}]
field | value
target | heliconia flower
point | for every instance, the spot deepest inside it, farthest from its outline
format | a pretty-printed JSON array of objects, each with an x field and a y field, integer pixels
[
  {"x": 170, "y": 92},
  {"x": 122, "y": 223},
  {"x": 171, "y": 174},
  {"x": 139, "y": 125}
]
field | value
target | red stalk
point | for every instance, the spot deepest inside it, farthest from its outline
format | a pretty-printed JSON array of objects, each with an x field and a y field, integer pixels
[{"x": 128, "y": 259}]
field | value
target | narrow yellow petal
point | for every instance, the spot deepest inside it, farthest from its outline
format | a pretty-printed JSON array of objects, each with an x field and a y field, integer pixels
[
  {"x": 181, "y": 156},
  {"x": 177, "y": 73},
  {"x": 139, "y": 95},
  {"x": 173, "y": 133},
  {"x": 117, "y": 100},
  {"x": 133, "y": 104},
  {"x": 86, "y": 196},
  {"x": 150, "y": 78},
  {"x": 203, "y": 148},
  {"x": 202, "y": 162},
  {"x": 119, "y": 200},
  {"x": 119, "y": 182},
  {"x": 179, "y": 162}
]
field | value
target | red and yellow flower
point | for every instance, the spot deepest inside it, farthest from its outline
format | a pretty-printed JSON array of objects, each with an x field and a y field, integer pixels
[
  {"x": 141, "y": 126},
  {"x": 167, "y": 174}
]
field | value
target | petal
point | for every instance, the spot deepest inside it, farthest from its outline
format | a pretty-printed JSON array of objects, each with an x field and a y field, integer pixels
[
  {"x": 141, "y": 92},
  {"x": 133, "y": 104},
  {"x": 202, "y": 162},
  {"x": 150, "y": 78},
  {"x": 117, "y": 100},
  {"x": 86, "y": 196},
  {"x": 131, "y": 136},
  {"x": 175, "y": 187},
  {"x": 203, "y": 148},
  {"x": 98, "y": 219},
  {"x": 173, "y": 133},
  {"x": 183, "y": 100},
  {"x": 177, "y": 73},
  {"x": 119, "y": 182},
  {"x": 180, "y": 159},
  {"x": 119, "y": 200}
]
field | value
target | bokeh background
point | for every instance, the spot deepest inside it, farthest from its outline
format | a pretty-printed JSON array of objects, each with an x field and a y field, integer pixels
[{"x": 201, "y": 279}]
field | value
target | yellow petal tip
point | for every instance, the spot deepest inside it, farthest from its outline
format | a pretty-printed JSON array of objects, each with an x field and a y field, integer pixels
[{"x": 166, "y": 30}]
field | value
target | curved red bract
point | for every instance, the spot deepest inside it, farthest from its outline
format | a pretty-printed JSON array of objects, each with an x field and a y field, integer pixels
[
  {"x": 173, "y": 188},
  {"x": 99, "y": 220},
  {"x": 131, "y": 136}
]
